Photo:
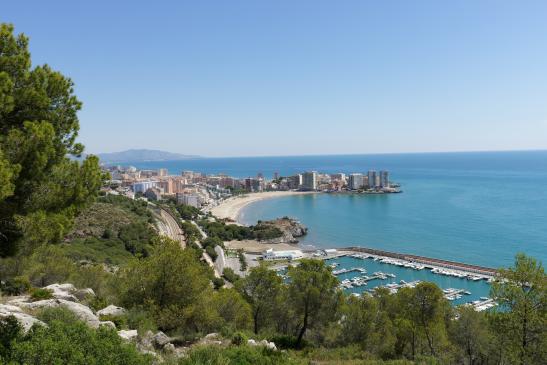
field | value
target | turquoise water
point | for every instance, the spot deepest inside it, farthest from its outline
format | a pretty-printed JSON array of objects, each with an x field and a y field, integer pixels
[{"x": 481, "y": 208}]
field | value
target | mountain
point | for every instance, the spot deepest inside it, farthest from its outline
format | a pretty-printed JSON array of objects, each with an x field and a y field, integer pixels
[{"x": 140, "y": 155}]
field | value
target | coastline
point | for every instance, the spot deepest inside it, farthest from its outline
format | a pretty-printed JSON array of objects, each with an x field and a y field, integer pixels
[{"x": 231, "y": 207}]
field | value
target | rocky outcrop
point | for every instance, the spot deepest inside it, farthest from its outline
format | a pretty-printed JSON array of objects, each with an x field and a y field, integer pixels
[
  {"x": 291, "y": 229},
  {"x": 264, "y": 343},
  {"x": 128, "y": 335},
  {"x": 24, "y": 319},
  {"x": 81, "y": 311}
]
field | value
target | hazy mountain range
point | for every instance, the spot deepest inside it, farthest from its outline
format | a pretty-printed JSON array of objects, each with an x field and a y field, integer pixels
[{"x": 139, "y": 155}]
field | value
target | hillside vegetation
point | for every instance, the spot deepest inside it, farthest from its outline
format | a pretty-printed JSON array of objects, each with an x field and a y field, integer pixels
[{"x": 111, "y": 231}]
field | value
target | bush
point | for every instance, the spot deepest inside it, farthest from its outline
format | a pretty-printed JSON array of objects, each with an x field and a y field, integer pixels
[
  {"x": 40, "y": 294},
  {"x": 240, "y": 355},
  {"x": 140, "y": 320},
  {"x": 239, "y": 339},
  {"x": 119, "y": 321},
  {"x": 65, "y": 343},
  {"x": 15, "y": 286},
  {"x": 211, "y": 251},
  {"x": 218, "y": 283},
  {"x": 286, "y": 342},
  {"x": 63, "y": 315},
  {"x": 230, "y": 275}
]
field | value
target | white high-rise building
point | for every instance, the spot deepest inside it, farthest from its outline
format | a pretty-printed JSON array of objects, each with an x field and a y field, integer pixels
[
  {"x": 309, "y": 180},
  {"x": 372, "y": 179},
  {"x": 355, "y": 181},
  {"x": 384, "y": 179}
]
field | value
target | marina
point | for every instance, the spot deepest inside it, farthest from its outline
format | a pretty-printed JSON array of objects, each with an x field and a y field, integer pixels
[{"x": 458, "y": 287}]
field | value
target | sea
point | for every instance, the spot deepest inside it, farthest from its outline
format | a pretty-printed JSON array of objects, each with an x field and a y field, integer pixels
[{"x": 480, "y": 208}]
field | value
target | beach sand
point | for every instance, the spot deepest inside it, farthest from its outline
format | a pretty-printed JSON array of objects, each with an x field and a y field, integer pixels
[{"x": 231, "y": 207}]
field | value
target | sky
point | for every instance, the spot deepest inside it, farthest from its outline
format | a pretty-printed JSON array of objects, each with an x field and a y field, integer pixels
[{"x": 285, "y": 77}]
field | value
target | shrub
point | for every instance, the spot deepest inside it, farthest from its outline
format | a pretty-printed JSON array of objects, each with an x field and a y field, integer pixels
[
  {"x": 69, "y": 343},
  {"x": 40, "y": 294},
  {"x": 119, "y": 321},
  {"x": 239, "y": 339},
  {"x": 140, "y": 320},
  {"x": 63, "y": 315},
  {"x": 211, "y": 251},
  {"x": 218, "y": 283},
  {"x": 230, "y": 275},
  {"x": 15, "y": 286}
]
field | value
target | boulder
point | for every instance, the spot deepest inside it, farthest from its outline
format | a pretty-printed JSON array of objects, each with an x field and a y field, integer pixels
[
  {"x": 81, "y": 294},
  {"x": 62, "y": 291},
  {"x": 111, "y": 311},
  {"x": 81, "y": 311},
  {"x": 128, "y": 335},
  {"x": 109, "y": 324},
  {"x": 25, "y": 320},
  {"x": 160, "y": 339},
  {"x": 169, "y": 348},
  {"x": 251, "y": 342}
]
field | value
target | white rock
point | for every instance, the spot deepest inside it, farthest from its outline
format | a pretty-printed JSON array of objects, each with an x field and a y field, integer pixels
[
  {"x": 81, "y": 311},
  {"x": 81, "y": 294},
  {"x": 160, "y": 339},
  {"x": 251, "y": 342},
  {"x": 111, "y": 310},
  {"x": 169, "y": 347},
  {"x": 263, "y": 343},
  {"x": 107, "y": 324},
  {"x": 62, "y": 291},
  {"x": 25, "y": 320},
  {"x": 271, "y": 346},
  {"x": 211, "y": 336},
  {"x": 129, "y": 335}
]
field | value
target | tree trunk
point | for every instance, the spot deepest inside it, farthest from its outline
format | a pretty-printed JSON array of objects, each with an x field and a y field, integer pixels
[{"x": 304, "y": 327}]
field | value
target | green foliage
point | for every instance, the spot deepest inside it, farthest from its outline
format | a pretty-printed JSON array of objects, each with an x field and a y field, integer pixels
[
  {"x": 66, "y": 342},
  {"x": 239, "y": 339},
  {"x": 171, "y": 283},
  {"x": 40, "y": 294},
  {"x": 233, "y": 311},
  {"x": 188, "y": 212},
  {"x": 218, "y": 283},
  {"x": 242, "y": 260},
  {"x": 262, "y": 289},
  {"x": 211, "y": 252},
  {"x": 111, "y": 231},
  {"x": 62, "y": 315},
  {"x": 229, "y": 232},
  {"x": 236, "y": 355},
  {"x": 191, "y": 232},
  {"x": 522, "y": 294},
  {"x": 313, "y": 294},
  {"x": 226, "y": 232},
  {"x": 15, "y": 286},
  {"x": 41, "y": 188},
  {"x": 48, "y": 265},
  {"x": 230, "y": 275},
  {"x": 263, "y": 231}
]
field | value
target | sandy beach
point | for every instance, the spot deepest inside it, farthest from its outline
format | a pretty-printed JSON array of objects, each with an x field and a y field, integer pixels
[{"x": 231, "y": 207}]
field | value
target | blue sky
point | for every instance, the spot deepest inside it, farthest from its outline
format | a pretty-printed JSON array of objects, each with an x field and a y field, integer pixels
[{"x": 249, "y": 78}]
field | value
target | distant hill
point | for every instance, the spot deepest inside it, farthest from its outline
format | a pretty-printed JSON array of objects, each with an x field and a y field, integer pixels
[{"x": 142, "y": 155}]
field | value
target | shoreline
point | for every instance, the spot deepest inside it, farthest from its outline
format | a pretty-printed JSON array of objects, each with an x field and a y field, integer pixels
[{"x": 232, "y": 207}]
